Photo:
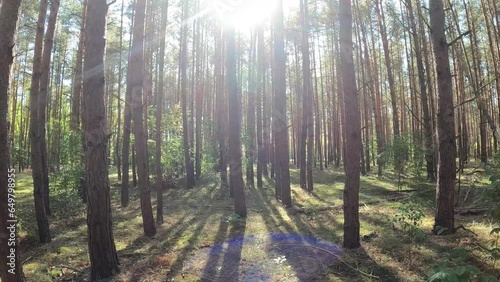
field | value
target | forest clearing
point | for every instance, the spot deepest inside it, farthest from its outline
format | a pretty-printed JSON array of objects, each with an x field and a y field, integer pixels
[{"x": 239, "y": 140}]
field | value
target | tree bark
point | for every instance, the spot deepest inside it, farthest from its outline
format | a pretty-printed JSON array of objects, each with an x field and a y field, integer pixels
[
  {"x": 446, "y": 122},
  {"x": 352, "y": 129},
  {"x": 140, "y": 132},
  {"x": 260, "y": 97},
  {"x": 234, "y": 103},
  {"x": 102, "y": 250},
  {"x": 280, "y": 120},
  {"x": 429, "y": 151},
  {"x": 44, "y": 85},
  {"x": 190, "y": 180},
  {"x": 221, "y": 106},
  {"x": 10, "y": 260},
  {"x": 77, "y": 83},
  {"x": 250, "y": 146},
  {"x": 159, "y": 115},
  {"x": 35, "y": 131},
  {"x": 387, "y": 54}
]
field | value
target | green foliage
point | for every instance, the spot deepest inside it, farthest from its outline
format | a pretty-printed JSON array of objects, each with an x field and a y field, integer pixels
[
  {"x": 398, "y": 153},
  {"x": 172, "y": 157},
  {"x": 66, "y": 193},
  {"x": 453, "y": 267},
  {"x": 409, "y": 219},
  {"x": 492, "y": 192}
]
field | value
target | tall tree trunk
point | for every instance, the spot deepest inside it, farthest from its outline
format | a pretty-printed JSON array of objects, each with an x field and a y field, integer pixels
[
  {"x": 119, "y": 99},
  {"x": 35, "y": 131},
  {"x": 77, "y": 83},
  {"x": 260, "y": 96},
  {"x": 429, "y": 151},
  {"x": 127, "y": 129},
  {"x": 44, "y": 85},
  {"x": 446, "y": 122},
  {"x": 250, "y": 146},
  {"x": 280, "y": 127},
  {"x": 352, "y": 129},
  {"x": 140, "y": 132},
  {"x": 234, "y": 103},
  {"x": 221, "y": 106},
  {"x": 102, "y": 250},
  {"x": 388, "y": 62},
  {"x": 159, "y": 115},
  {"x": 190, "y": 180},
  {"x": 306, "y": 99},
  {"x": 10, "y": 260}
]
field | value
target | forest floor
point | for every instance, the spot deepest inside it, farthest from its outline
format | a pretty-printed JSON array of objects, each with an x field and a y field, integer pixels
[{"x": 202, "y": 240}]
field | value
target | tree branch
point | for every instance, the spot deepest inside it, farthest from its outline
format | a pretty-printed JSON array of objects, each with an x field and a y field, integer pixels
[
  {"x": 413, "y": 114},
  {"x": 477, "y": 93},
  {"x": 458, "y": 38}
]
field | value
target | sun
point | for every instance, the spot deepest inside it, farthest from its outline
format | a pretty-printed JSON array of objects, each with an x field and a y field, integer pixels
[{"x": 244, "y": 14}]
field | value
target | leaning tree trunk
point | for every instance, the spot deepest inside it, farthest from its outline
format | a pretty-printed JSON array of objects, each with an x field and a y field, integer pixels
[
  {"x": 352, "y": 129},
  {"x": 11, "y": 269},
  {"x": 44, "y": 86},
  {"x": 388, "y": 62},
  {"x": 445, "y": 123}
]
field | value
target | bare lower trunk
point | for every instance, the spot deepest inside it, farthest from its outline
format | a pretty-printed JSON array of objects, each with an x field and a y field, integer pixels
[
  {"x": 352, "y": 129},
  {"x": 280, "y": 120},
  {"x": 234, "y": 103},
  {"x": 446, "y": 123},
  {"x": 140, "y": 132},
  {"x": 102, "y": 250},
  {"x": 35, "y": 131}
]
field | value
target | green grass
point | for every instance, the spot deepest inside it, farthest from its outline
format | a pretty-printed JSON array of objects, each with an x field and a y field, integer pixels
[{"x": 202, "y": 217}]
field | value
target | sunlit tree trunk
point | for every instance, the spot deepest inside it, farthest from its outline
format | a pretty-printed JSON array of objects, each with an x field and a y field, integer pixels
[
  {"x": 159, "y": 114},
  {"x": 102, "y": 250},
  {"x": 137, "y": 107},
  {"x": 352, "y": 128}
]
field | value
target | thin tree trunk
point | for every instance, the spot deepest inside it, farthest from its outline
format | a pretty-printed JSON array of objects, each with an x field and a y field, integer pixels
[
  {"x": 159, "y": 115},
  {"x": 190, "y": 180},
  {"x": 250, "y": 146},
  {"x": 140, "y": 132},
  {"x": 44, "y": 85},
  {"x": 429, "y": 150},
  {"x": 35, "y": 131},
  {"x": 388, "y": 62},
  {"x": 220, "y": 105},
  {"x": 260, "y": 87}
]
